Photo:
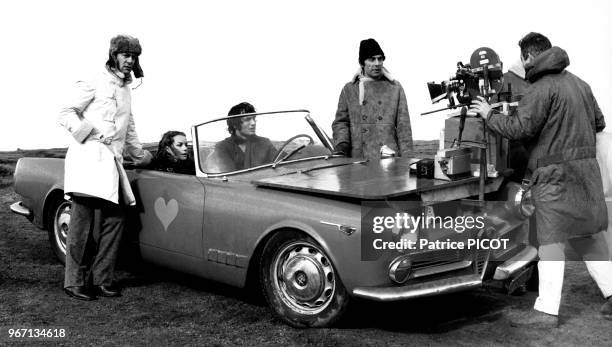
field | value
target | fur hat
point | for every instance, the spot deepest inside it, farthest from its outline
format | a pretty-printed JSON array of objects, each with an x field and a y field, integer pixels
[
  {"x": 369, "y": 48},
  {"x": 125, "y": 44}
]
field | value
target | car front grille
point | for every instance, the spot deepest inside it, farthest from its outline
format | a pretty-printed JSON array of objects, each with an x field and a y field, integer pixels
[
  {"x": 482, "y": 258},
  {"x": 442, "y": 261}
]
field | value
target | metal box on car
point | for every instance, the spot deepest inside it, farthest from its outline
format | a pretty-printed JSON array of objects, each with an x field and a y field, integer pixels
[
  {"x": 451, "y": 163},
  {"x": 497, "y": 148}
]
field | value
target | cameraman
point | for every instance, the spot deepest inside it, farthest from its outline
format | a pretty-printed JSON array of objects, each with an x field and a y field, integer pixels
[
  {"x": 557, "y": 118},
  {"x": 372, "y": 116}
]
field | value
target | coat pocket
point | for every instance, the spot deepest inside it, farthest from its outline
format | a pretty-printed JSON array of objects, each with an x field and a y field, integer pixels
[
  {"x": 549, "y": 183},
  {"x": 107, "y": 103}
]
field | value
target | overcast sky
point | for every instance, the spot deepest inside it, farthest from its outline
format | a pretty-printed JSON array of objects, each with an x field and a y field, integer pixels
[{"x": 201, "y": 57}]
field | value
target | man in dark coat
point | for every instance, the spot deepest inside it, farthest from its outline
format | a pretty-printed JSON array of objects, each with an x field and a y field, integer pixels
[
  {"x": 243, "y": 149},
  {"x": 372, "y": 115},
  {"x": 557, "y": 119}
]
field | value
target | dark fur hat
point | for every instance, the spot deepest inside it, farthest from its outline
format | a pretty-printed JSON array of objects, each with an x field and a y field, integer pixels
[
  {"x": 369, "y": 48},
  {"x": 125, "y": 44}
]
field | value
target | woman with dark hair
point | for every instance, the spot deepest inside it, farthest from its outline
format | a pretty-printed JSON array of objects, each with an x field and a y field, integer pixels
[{"x": 173, "y": 154}]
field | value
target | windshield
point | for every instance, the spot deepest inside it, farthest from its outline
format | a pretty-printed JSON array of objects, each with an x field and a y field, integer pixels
[{"x": 258, "y": 140}]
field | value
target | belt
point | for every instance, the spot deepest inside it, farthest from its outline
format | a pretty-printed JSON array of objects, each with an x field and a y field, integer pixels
[{"x": 571, "y": 154}]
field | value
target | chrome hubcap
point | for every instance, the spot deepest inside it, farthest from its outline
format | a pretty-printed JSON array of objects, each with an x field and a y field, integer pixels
[
  {"x": 304, "y": 277},
  {"x": 61, "y": 225}
]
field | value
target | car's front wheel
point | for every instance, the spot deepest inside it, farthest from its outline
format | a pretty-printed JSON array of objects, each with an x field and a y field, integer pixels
[
  {"x": 299, "y": 281},
  {"x": 58, "y": 225}
]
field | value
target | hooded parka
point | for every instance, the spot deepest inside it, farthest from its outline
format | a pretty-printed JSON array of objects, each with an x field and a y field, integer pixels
[{"x": 557, "y": 119}]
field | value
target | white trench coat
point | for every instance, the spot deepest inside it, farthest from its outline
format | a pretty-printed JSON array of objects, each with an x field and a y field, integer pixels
[{"x": 100, "y": 109}]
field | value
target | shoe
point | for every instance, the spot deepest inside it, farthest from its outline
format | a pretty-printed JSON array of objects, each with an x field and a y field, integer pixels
[
  {"x": 108, "y": 291},
  {"x": 606, "y": 309},
  {"x": 79, "y": 293},
  {"x": 534, "y": 318}
]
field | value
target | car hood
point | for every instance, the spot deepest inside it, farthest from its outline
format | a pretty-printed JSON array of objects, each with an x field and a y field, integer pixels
[{"x": 373, "y": 180}]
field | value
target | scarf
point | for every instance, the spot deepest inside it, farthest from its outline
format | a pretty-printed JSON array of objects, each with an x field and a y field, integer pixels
[{"x": 359, "y": 76}]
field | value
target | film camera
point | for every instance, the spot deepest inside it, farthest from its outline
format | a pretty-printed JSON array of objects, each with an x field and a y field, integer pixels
[
  {"x": 482, "y": 77},
  {"x": 479, "y": 152}
]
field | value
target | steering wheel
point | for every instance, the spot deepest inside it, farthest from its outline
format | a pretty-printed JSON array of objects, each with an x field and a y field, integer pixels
[{"x": 280, "y": 150}]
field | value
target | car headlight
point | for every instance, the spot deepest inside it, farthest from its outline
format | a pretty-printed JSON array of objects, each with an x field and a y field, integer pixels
[
  {"x": 527, "y": 208},
  {"x": 400, "y": 269},
  {"x": 520, "y": 203}
]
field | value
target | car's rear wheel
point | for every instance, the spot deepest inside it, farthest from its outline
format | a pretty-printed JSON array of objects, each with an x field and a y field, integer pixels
[
  {"x": 299, "y": 281},
  {"x": 58, "y": 225}
]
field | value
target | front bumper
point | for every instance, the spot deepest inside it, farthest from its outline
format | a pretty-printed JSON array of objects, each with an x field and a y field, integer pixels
[
  {"x": 516, "y": 263},
  {"x": 509, "y": 269},
  {"x": 19, "y": 209},
  {"x": 429, "y": 288}
]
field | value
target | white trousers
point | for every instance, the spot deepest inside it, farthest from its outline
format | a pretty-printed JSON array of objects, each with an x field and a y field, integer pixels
[
  {"x": 604, "y": 158},
  {"x": 594, "y": 252},
  {"x": 608, "y": 233}
]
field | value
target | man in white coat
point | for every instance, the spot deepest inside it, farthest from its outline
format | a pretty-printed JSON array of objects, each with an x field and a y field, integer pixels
[{"x": 100, "y": 120}]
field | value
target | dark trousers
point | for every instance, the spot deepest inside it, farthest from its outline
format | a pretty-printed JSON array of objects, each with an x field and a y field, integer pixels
[{"x": 96, "y": 226}]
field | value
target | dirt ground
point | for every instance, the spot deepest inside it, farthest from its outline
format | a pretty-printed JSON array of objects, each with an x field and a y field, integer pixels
[{"x": 164, "y": 308}]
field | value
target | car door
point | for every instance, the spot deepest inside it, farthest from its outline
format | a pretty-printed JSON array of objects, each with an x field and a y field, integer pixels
[{"x": 170, "y": 209}]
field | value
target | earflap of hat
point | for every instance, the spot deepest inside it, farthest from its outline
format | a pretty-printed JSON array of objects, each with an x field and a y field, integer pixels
[
  {"x": 112, "y": 61},
  {"x": 137, "y": 69}
]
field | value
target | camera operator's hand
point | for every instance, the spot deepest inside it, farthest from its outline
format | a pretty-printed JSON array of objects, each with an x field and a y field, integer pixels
[{"x": 482, "y": 107}]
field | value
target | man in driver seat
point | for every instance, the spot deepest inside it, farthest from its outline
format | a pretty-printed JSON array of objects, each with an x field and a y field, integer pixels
[{"x": 243, "y": 149}]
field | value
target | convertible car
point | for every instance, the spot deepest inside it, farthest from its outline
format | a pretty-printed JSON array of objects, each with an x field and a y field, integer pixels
[{"x": 305, "y": 226}]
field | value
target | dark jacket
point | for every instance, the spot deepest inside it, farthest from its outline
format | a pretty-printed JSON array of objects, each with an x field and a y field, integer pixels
[
  {"x": 557, "y": 118},
  {"x": 227, "y": 155},
  {"x": 383, "y": 119},
  {"x": 164, "y": 162}
]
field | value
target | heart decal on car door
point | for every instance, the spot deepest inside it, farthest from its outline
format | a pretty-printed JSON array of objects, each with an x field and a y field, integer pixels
[{"x": 166, "y": 212}]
